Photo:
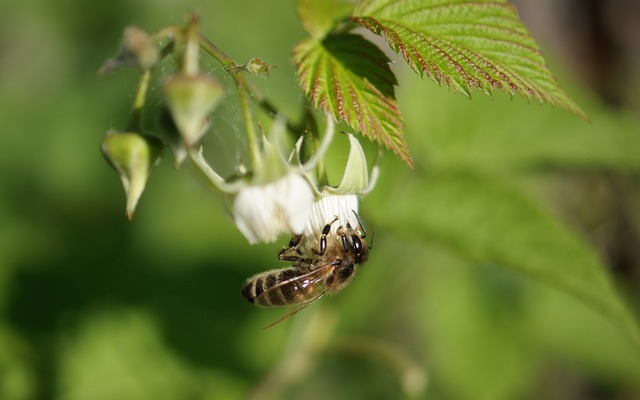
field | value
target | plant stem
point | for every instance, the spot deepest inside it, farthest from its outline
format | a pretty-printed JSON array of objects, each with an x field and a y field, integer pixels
[
  {"x": 190, "y": 58},
  {"x": 308, "y": 339},
  {"x": 223, "y": 58},
  {"x": 138, "y": 104},
  {"x": 252, "y": 136},
  {"x": 231, "y": 66},
  {"x": 412, "y": 377},
  {"x": 314, "y": 144}
]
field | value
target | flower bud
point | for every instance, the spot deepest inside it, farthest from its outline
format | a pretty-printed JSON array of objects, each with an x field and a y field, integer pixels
[
  {"x": 170, "y": 134},
  {"x": 138, "y": 49},
  {"x": 133, "y": 155},
  {"x": 256, "y": 66},
  {"x": 190, "y": 99}
]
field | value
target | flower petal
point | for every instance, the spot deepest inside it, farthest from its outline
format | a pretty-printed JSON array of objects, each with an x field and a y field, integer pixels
[
  {"x": 329, "y": 206},
  {"x": 264, "y": 212}
]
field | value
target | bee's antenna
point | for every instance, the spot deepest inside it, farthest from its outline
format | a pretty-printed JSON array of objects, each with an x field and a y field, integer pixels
[{"x": 364, "y": 232}]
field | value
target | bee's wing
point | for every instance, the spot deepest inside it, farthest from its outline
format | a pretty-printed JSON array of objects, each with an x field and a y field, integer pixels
[
  {"x": 311, "y": 281},
  {"x": 296, "y": 310},
  {"x": 315, "y": 278}
]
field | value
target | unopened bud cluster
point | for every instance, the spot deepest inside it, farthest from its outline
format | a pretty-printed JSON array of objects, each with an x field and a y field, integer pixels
[{"x": 190, "y": 96}]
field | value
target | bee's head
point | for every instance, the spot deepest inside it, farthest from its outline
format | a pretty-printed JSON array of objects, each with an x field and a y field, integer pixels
[{"x": 353, "y": 243}]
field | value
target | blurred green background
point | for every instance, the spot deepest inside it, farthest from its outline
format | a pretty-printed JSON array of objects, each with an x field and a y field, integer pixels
[{"x": 96, "y": 307}]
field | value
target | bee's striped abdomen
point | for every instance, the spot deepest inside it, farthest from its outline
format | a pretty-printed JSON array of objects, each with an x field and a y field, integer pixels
[{"x": 282, "y": 295}]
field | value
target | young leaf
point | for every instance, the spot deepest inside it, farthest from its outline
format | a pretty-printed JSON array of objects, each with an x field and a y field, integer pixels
[
  {"x": 496, "y": 224},
  {"x": 350, "y": 77},
  {"x": 464, "y": 45}
]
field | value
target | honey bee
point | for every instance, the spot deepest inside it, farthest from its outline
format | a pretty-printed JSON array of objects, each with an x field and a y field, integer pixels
[{"x": 328, "y": 270}]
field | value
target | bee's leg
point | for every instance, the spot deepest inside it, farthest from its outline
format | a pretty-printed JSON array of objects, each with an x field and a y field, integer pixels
[
  {"x": 343, "y": 237},
  {"x": 291, "y": 252},
  {"x": 323, "y": 237}
]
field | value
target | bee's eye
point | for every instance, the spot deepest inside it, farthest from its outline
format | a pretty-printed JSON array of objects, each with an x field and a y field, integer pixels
[{"x": 357, "y": 244}]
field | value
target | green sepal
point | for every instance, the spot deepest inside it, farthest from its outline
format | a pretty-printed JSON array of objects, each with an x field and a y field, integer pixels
[{"x": 356, "y": 173}]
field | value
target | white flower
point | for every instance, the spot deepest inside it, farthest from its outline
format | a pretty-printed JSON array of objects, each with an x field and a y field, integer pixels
[
  {"x": 342, "y": 201},
  {"x": 279, "y": 197},
  {"x": 329, "y": 206},
  {"x": 264, "y": 212}
]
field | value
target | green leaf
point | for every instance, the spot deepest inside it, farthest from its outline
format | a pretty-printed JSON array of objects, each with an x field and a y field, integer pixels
[
  {"x": 500, "y": 135},
  {"x": 350, "y": 77},
  {"x": 476, "y": 329},
  {"x": 465, "y": 45},
  {"x": 493, "y": 223},
  {"x": 321, "y": 17}
]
